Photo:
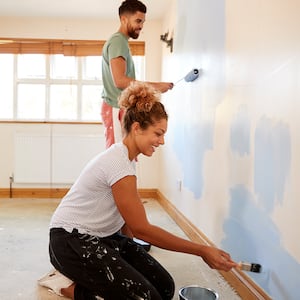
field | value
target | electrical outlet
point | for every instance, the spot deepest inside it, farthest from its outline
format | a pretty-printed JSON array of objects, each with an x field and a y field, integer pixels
[
  {"x": 11, "y": 178},
  {"x": 179, "y": 185}
]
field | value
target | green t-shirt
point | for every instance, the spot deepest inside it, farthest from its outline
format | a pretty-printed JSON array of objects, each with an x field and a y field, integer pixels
[{"x": 116, "y": 46}]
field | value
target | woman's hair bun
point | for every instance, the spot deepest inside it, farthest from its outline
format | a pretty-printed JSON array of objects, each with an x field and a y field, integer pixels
[{"x": 139, "y": 95}]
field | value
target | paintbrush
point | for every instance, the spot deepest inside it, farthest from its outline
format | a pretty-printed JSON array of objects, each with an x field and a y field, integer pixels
[{"x": 250, "y": 267}]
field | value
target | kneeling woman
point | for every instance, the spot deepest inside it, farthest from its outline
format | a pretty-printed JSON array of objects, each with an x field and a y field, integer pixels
[{"x": 92, "y": 228}]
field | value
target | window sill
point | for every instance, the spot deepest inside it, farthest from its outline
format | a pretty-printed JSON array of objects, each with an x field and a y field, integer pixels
[{"x": 51, "y": 122}]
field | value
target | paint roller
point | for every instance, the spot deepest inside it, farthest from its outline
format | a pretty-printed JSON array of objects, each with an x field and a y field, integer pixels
[{"x": 190, "y": 76}]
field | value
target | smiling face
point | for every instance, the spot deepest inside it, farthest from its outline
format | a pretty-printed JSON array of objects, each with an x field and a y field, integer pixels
[
  {"x": 147, "y": 140},
  {"x": 133, "y": 24},
  {"x": 145, "y": 119}
]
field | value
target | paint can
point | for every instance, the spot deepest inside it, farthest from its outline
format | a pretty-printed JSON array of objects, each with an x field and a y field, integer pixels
[{"x": 195, "y": 292}]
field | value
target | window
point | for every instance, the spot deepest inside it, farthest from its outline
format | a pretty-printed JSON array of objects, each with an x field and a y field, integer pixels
[
  {"x": 52, "y": 87},
  {"x": 6, "y": 86}
]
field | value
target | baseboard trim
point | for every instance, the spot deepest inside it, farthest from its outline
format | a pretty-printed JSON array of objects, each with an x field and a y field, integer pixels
[
  {"x": 33, "y": 192},
  {"x": 56, "y": 193},
  {"x": 245, "y": 287},
  {"x": 148, "y": 193},
  {"x": 241, "y": 283}
]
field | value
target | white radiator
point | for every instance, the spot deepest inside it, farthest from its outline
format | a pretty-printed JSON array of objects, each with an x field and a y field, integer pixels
[{"x": 41, "y": 158}]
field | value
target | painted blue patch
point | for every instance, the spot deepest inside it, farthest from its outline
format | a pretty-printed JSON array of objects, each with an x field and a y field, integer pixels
[
  {"x": 200, "y": 11},
  {"x": 240, "y": 132},
  {"x": 252, "y": 236},
  {"x": 190, "y": 144},
  {"x": 272, "y": 161},
  {"x": 192, "y": 131}
]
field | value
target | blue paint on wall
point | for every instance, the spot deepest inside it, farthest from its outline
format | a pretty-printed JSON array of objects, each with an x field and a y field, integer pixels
[
  {"x": 191, "y": 141},
  {"x": 240, "y": 132},
  {"x": 192, "y": 135},
  {"x": 272, "y": 161},
  {"x": 190, "y": 36},
  {"x": 250, "y": 232},
  {"x": 252, "y": 236}
]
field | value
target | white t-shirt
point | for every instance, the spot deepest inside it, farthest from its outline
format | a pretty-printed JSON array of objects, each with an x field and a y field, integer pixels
[{"x": 89, "y": 205}]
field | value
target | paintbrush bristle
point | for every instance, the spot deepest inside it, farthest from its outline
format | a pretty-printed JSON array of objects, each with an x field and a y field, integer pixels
[{"x": 251, "y": 267}]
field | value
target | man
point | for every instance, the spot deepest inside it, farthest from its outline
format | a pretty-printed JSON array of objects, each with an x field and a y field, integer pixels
[{"x": 118, "y": 67}]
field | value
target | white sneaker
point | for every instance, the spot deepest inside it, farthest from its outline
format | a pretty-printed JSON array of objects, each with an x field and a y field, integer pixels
[{"x": 55, "y": 281}]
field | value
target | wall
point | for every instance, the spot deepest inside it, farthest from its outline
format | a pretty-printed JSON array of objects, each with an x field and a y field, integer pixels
[
  {"x": 60, "y": 28},
  {"x": 232, "y": 154}
]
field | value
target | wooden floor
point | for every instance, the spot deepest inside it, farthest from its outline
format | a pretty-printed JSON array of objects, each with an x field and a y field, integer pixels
[{"x": 24, "y": 252}]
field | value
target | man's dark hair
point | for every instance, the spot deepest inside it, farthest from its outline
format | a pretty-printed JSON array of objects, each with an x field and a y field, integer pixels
[{"x": 131, "y": 7}]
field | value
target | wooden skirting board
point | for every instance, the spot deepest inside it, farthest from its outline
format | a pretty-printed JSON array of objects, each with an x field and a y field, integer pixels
[
  {"x": 245, "y": 287},
  {"x": 33, "y": 193},
  {"x": 56, "y": 193}
]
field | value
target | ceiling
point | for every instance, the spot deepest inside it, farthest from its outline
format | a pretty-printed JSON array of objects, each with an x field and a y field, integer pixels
[{"x": 107, "y": 9}]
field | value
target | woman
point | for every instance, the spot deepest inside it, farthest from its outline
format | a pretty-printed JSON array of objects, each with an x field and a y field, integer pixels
[{"x": 92, "y": 228}]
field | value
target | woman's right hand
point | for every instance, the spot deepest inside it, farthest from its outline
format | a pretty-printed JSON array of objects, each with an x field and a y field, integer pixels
[{"x": 218, "y": 259}]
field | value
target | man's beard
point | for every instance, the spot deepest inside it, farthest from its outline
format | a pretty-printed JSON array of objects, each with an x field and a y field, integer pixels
[{"x": 133, "y": 34}]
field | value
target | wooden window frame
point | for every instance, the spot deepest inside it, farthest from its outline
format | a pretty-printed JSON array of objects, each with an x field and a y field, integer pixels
[{"x": 65, "y": 47}]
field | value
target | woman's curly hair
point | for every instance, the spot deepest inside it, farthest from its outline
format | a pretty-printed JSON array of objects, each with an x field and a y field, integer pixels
[{"x": 141, "y": 103}]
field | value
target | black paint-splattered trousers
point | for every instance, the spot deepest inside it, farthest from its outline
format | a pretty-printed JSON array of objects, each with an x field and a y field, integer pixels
[{"x": 114, "y": 267}]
